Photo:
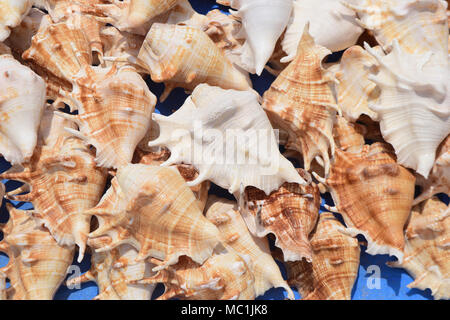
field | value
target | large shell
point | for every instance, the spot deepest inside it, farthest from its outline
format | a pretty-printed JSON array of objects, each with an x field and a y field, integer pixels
[
  {"x": 22, "y": 101},
  {"x": 113, "y": 270},
  {"x": 236, "y": 237},
  {"x": 63, "y": 181},
  {"x": 300, "y": 102},
  {"x": 37, "y": 264},
  {"x": 11, "y": 14},
  {"x": 374, "y": 194},
  {"x": 227, "y": 137},
  {"x": 152, "y": 209},
  {"x": 439, "y": 179},
  {"x": 427, "y": 254},
  {"x": 115, "y": 107},
  {"x": 185, "y": 56},
  {"x": 334, "y": 267},
  {"x": 224, "y": 276},
  {"x": 331, "y": 25},
  {"x": 413, "y": 106},
  {"x": 290, "y": 213}
]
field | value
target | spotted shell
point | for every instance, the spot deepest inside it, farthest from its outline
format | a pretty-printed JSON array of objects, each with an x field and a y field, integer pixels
[
  {"x": 37, "y": 264},
  {"x": 427, "y": 253},
  {"x": 290, "y": 213},
  {"x": 374, "y": 194},
  {"x": 334, "y": 267},
  {"x": 300, "y": 102},
  {"x": 11, "y": 14},
  {"x": 236, "y": 238}
]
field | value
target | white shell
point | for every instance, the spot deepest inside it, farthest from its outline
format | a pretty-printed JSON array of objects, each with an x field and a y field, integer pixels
[
  {"x": 11, "y": 14},
  {"x": 331, "y": 24}
]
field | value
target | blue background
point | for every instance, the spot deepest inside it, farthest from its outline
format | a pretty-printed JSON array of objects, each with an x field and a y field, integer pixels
[{"x": 393, "y": 282}]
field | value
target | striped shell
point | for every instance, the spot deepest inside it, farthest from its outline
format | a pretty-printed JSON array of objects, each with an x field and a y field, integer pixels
[{"x": 348, "y": 136}]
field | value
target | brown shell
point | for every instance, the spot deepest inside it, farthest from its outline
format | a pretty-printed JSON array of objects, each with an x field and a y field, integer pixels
[
  {"x": 64, "y": 181},
  {"x": 300, "y": 102},
  {"x": 290, "y": 213},
  {"x": 37, "y": 264},
  {"x": 223, "y": 276},
  {"x": 348, "y": 136},
  {"x": 334, "y": 267},
  {"x": 374, "y": 195},
  {"x": 427, "y": 254}
]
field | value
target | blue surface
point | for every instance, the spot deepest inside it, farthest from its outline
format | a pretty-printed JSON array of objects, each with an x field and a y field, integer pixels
[{"x": 392, "y": 282}]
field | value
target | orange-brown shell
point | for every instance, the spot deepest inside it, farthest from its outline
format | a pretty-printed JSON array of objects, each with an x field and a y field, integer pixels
[
  {"x": 37, "y": 264},
  {"x": 348, "y": 136},
  {"x": 300, "y": 102},
  {"x": 427, "y": 254},
  {"x": 334, "y": 267},
  {"x": 290, "y": 213},
  {"x": 374, "y": 194},
  {"x": 223, "y": 276}
]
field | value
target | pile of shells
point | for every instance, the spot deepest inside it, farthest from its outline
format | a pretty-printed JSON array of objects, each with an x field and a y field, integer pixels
[{"x": 109, "y": 177}]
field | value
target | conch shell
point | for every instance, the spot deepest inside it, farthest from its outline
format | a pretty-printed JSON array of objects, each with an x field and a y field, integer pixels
[
  {"x": 334, "y": 267},
  {"x": 37, "y": 264},
  {"x": 152, "y": 209},
  {"x": 184, "y": 56},
  {"x": 11, "y": 14},
  {"x": 236, "y": 145},
  {"x": 236, "y": 238},
  {"x": 223, "y": 276},
  {"x": 22, "y": 101},
  {"x": 290, "y": 213},
  {"x": 263, "y": 22},
  {"x": 332, "y": 26},
  {"x": 300, "y": 102},
  {"x": 427, "y": 253},
  {"x": 64, "y": 181},
  {"x": 374, "y": 194}
]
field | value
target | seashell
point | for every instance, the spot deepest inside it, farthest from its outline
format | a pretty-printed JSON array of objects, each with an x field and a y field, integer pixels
[
  {"x": 183, "y": 56},
  {"x": 237, "y": 146},
  {"x": 300, "y": 102},
  {"x": 112, "y": 271},
  {"x": 236, "y": 238},
  {"x": 374, "y": 194},
  {"x": 427, "y": 253},
  {"x": 115, "y": 107},
  {"x": 60, "y": 10},
  {"x": 64, "y": 182},
  {"x": 290, "y": 213},
  {"x": 439, "y": 179},
  {"x": 348, "y": 136},
  {"x": 224, "y": 276},
  {"x": 420, "y": 27},
  {"x": 355, "y": 91},
  {"x": 334, "y": 267},
  {"x": 37, "y": 264},
  {"x": 152, "y": 209},
  {"x": 22, "y": 100},
  {"x": 332, "y": 26},
  {"x": 11, "y": 14},
  {"x": 412, "y": 106},
  {"x": 263, "y": 22}
]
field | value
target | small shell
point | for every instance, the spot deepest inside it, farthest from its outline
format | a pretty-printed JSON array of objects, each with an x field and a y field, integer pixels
[
  {"x": 37, "y": 264},
  {"x": 439, "y": 178},
  {"x": 300, "y": 102},
  {"x": 152, "y": 209},
  {"x": 113, "y": 270},
  {"x": 263, "y": 23},
  {"x": 348, "y": 136},
  {"x": 427, "y": 253},
  {"x": 183, "y": 56},
  {"x": 236, "y": 238},
  {"x": 237, "y": 146},
  {"x": 22, "y": 101},
  {"x": 290, "y": 213},
  {"x": 374, "y": 195},
  {"x": 63, "y": 182},
  {"x": 334, "y": 267},
  {"x": 11, "y": 14},
  {"x": 224, "y": 276},
  {"x": 332, "y": 26}
]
